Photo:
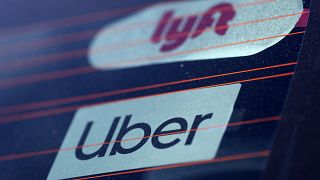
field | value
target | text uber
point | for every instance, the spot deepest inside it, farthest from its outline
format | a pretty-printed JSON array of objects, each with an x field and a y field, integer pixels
[{"x": 147, "y": 131}]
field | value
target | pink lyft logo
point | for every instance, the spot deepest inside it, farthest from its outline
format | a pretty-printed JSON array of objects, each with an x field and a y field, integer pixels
[{"x": 177, "y": 33}]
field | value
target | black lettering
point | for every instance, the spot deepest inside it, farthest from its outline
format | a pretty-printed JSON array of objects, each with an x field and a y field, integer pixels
[
  {"x": 117, "y": 148},
  {"x": 155, "y": 139},
  {"x": 197, "y": 120},
  {"x": 103, "y": 149}
]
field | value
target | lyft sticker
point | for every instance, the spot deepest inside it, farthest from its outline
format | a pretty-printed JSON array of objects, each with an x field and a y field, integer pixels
[
  {"x": 193, "y": 30},
  {"x": 146, "y": 132}
]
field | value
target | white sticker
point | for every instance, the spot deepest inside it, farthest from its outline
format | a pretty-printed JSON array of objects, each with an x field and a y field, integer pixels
[
  {"x": 124, "y": 123},
  {"x": 193, "y": 30}
]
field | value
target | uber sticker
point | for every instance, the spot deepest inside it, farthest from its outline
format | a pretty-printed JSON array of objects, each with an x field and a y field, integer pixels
[
  {"x": 193, "y": 30},
  {"x": 146, "y": 132}
]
